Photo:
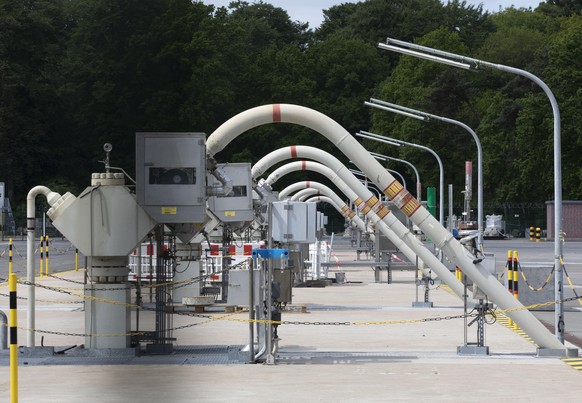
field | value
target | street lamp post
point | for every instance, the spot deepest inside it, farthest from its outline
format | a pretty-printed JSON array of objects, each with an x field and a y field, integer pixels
[
  {"x": 469, "y": 63},
  {"x": 360, "y": 173},
  {"x": 418, "y": 184},
  {"x": 390, "y": 140},
  {"x": 427, "y": 117}
]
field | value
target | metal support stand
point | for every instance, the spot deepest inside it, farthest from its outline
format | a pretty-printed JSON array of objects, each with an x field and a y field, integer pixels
[
  {"x": 425, "y": 282},
  {"x": 270, "y": 310},
  {"x": 163, "y": 335},
  {"x": 476, "y": 348}
]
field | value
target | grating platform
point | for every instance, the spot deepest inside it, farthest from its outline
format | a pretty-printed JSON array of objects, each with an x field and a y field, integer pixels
[{"x": 181, "y": 355}]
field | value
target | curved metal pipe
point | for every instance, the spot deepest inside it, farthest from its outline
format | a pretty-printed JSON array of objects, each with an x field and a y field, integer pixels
[
  {"x": 443, "y": 239},
  {"x": 52, "y": 198},
  {"x": 418, "y": 184},
  {"x": 339, "y": 204},
  {"x": 401, "y": 237},
  {"x": 304, "y": 194},
  {"x": 222, "y": 177},
  {"x": 333, "y": 199}
]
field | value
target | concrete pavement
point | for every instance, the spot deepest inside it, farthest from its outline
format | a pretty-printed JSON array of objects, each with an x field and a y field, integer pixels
[{"x": 389, "y": 351}]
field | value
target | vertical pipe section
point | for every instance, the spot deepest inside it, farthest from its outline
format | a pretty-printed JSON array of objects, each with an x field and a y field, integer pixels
[
  {"x": 52, "y": 198},
  {"x": 411, "y": 207}
]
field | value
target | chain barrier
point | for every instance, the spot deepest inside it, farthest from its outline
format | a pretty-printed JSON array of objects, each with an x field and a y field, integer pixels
[
  {"x": 61, "y": 251},
  {"x": 48, "y": 301},
  {"x": 89, "y": 297},
  {"x": 182, "y": 283},
  {"x": 210, "y": 318},
  {"x": 140, "y": 333},
  {"x": 529, "y": 285},
  {"x": 503, "y": 272},
  {"x": 570, "y": 281},
  {"x": 68, "y": 280}
]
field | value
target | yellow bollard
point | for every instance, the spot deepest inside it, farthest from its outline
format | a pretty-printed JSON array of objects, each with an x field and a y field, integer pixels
[
  {"x": 531, "y": 233},
  {"x": 76, "y": 259},
  {"x": 13, "y": 340},
  {"x": 46, "y": 264},
  {"x": 538, "y": 234},
  {"x": 510, "y": 277},
  {"x": 41, "y": 260}
]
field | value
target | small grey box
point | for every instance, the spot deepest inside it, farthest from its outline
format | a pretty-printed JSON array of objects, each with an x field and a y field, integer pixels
[
  {"x": 238, "y": 287},
  {"x": 294, "y": 222},
  {"x": 238, "y": 205}
]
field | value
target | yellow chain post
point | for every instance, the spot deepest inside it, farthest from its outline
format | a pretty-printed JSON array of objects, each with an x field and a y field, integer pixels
[
  {"x": 46, "y": 264},
  {"x": 41, "y": 260},
  {"x": 13, "y": 340},
  {"x": 10, "y": 256},
  {"x": 76, "y": 259}
]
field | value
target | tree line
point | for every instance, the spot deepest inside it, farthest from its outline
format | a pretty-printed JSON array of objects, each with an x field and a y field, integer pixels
[{"x": 77, "y": 74}]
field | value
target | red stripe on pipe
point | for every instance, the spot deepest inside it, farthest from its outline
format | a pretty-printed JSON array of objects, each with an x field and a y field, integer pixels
[
  {"x": 303, "y": 165},
  {"x": 293, "y": 151},
  {"x": 276, "y": 113},
  {"x": 306, "y": 184}
]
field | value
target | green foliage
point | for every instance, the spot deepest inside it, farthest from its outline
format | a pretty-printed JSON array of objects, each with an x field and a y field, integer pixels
[
  {"x": 31, "y": 44},
  {"x": 76, "y": 74}
]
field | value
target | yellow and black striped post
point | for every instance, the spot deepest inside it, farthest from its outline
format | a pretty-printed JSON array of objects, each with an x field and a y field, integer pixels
[
  {"x": 76, "y": 259},
  {"x": 510, "y": 271},
  {"x": 538, "y": 234},
  {"x": 531, "y": 233},
  {"x": 516, "y": 275},
  {"x": 13, "y": 340},
  {"x": 46, "y": 263},
  {"x": 510, "y": 277},
  {"x": 515, "y": 279},
  {"x": 41, "y": 260},
  {"x": 10, "y": 256}
]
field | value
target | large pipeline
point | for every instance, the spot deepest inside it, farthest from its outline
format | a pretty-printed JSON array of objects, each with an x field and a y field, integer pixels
[
  {"x": 444, "y": 240},
  {"x": 304, "y": 194},
  {"x": 383, "y": 228},
  {"x": 388, "y": 224}
]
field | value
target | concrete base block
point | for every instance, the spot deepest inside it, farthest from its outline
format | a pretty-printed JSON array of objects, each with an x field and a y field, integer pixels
[
  {"x": 419, "y": 304},
  {"x": 159, "y": 349},
  {"x": 473, "y": 350},
  {"x": 557, "y": 352}
]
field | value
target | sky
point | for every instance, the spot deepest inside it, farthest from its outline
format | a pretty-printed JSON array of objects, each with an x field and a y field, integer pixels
[{"x": 311, "y": 11}]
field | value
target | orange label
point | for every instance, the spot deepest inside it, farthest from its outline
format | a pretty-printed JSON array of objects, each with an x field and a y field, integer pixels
[
  {"x": 393, "y": 189},
  {"x": 409, "y": 205}
]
